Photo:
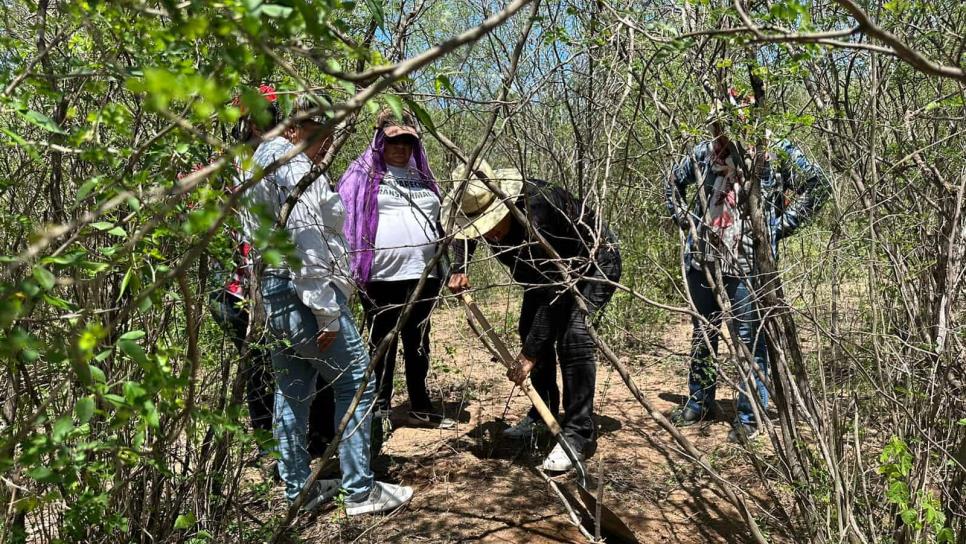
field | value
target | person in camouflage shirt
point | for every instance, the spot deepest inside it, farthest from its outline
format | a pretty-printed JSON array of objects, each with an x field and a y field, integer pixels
[{"x": 720, "y": 240}]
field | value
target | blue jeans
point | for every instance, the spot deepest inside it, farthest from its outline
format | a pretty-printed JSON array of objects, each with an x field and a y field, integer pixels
[
  {"x": 298, "y": 362},
  {"x": 703, "y": 378}
]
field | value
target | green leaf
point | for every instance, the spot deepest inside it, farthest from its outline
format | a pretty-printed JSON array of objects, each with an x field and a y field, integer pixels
[
  {"x": 185, "y": 521},
  {"x": 375, "y": 8},
  {"x": 17, "y": 139},
  {"x": 42, "y": 121},
  {"x": 138, "y": 440},
  {"x": 96, "y": 372},
  {"x": 133, "y": 391},
  {"x": 84, "y": 409},
  {"x": 93, "y": 266},
  {"x": 898, "y": 493},
  {"x": 58, "y": 302},
  {"x": 59, "y": 259},
  {"x": 395, "y": 104},
  {"x": 24, "y": 144},
  {"x": 45, "y": 278},
  {"x": 910, "y": 518},
  {"x": 30, "y": 288},
  {"x": 151, "y": 415},
  {"x": 102, "y": 225},
  {"x": 132, "y": 335},
  {"x": 134, "y": 351},
  {"x": 118, "y": 231},
  {"x": 86, "y": 188},
  {"x": 29, "y": 355},
  {"x": 62, "y": 427},
  {"x": 276, "y": 11},
  {"x": 422, "y": 115},
  {"x": 116, "y": 400},
  {"x": 443, "y": 82},
  {"x": 124, "y": 282},
  {"x": 40, "y": 473}
]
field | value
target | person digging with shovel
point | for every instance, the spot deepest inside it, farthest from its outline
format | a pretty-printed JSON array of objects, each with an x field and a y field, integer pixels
[{"x": 551, "y": 325}]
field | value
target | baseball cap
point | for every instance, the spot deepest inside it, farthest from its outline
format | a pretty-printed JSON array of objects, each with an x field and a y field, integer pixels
[{"x": 394, "y": 127}]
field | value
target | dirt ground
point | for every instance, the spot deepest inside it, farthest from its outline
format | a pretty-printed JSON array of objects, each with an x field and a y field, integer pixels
[{"x": 473, "y": 486}]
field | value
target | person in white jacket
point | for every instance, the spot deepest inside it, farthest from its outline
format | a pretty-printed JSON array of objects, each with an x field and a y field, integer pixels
[{"x": 307, "y": 308}]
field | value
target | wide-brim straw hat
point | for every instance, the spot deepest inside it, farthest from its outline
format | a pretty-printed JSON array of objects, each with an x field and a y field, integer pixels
[{"x": 479, "y": 209}]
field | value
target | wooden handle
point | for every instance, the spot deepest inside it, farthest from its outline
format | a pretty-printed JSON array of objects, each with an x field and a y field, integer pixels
[{"x": 503, "y": 354}]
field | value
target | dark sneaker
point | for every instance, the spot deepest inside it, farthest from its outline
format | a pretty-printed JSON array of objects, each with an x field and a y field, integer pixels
[
  {"x": 322, "y": 491},
  {"x": 742, "y": 433},
  {"x": 431, "y": 419},
  {"x": 686, "y": 415},
  {"x": 525, "y": 428}
]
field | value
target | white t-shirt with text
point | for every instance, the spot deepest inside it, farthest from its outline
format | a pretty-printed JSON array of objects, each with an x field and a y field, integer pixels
[{"x": 406, "y": 236}]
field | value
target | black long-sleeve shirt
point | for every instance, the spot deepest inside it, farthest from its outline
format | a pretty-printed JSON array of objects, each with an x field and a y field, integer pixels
[{"x": 585, "y": 244}]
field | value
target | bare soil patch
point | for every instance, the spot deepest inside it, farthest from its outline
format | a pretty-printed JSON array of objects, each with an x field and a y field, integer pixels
[{"x": 471, "y": 485}]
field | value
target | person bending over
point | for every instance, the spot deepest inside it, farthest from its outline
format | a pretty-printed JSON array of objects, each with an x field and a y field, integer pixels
[{"x": 552, "y": 327}]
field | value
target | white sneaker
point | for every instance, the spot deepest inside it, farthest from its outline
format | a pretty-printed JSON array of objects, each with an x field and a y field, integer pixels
[
  {"x": 322, "y": 491},
  {"x": 382, "y": 498},
  {"x": 557, "y": 460},
  {"x": 525, "y": 428}
]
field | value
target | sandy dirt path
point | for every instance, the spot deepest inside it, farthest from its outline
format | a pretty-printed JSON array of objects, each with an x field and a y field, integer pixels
[{"x": 471, "y": 485}]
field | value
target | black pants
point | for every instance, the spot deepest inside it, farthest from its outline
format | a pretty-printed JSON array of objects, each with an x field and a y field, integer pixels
[
  {"x": 574, "y": 348},
  {"x": 259, "y": 381},
  {"x": 382, "y": 303}
]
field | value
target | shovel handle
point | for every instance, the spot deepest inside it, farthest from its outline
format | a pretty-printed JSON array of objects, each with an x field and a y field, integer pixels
[
  {"x": 610, "y": 525},
  {"x": 503, "y": 354}
]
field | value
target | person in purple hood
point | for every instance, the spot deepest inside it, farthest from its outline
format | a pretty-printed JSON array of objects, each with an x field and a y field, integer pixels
[{"x": 392, "y": 225}]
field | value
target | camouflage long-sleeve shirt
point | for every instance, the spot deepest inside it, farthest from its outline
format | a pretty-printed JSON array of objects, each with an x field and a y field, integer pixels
[{"x": 786, "y": 170}]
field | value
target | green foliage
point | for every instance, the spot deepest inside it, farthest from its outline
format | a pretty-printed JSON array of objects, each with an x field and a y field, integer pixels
[
  {"x": 118, "y": 430},
  {"x": 99, "y": 323},
  {"x": 920, "y": 510}
]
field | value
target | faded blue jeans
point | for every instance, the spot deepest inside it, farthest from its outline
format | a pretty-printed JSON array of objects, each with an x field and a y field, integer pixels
[
  {"x": 703, "y": 378},
  {"x": 298, "y": 362}
]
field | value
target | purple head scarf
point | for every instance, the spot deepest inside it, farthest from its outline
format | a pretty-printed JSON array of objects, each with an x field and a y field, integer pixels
[{"x": 359, "y": 189}]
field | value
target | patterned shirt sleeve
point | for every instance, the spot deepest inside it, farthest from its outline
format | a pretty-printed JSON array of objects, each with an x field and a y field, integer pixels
[
  {"x": 811, "y": 185},
  {"x": 676, "y": 186}
]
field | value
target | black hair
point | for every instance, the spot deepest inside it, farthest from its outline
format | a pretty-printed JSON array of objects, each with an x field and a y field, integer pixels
[{"x": 242, "y": 131}]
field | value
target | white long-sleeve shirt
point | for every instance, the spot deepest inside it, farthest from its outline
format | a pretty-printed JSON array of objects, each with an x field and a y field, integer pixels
[{"x": 315, "y": 225}]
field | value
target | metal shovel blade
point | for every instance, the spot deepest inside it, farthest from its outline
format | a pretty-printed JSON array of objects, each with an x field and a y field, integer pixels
[{"x": 612, "y": 528}]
